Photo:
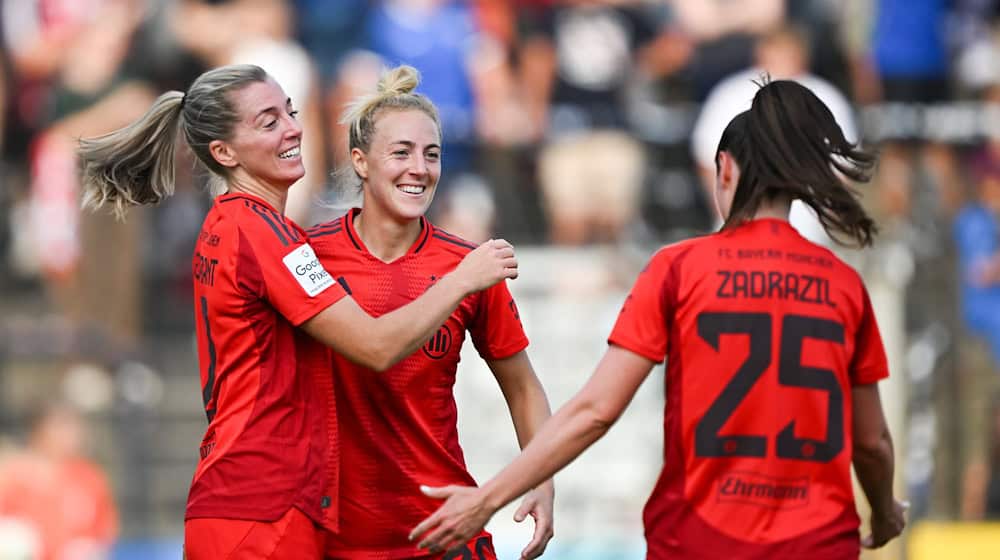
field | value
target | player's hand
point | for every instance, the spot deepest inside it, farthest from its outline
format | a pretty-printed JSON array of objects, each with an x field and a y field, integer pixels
[
  {"x": 537, "y": 504},
  {"x": 486, "y": 265},
  {"x": 886, "y": 527},
  {"x": 463, "y": 515}
]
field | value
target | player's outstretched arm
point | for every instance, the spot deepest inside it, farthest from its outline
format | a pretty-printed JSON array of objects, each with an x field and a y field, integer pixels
[
  {"x": 573, "y": 428},
  {"x": 529, "y": 409},
  {"x": 874, "y": 463},
  {"x": 379, "y": 343}
]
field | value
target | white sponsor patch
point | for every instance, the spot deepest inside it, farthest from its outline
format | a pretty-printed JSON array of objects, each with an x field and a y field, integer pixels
[{"x": 305, "y": 267}]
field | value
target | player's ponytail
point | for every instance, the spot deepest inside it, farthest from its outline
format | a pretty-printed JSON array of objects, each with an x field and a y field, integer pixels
[
  {"x": 395, "y": 91},
  {"x": 788, "y": 145},
  {"x": 135, "y": 165}
]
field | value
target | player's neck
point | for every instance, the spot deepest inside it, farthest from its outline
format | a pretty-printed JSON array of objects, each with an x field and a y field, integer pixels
[
  {"x": 274, "y": 196},
  {"x": 385, "y": 238},
  {"x": 778, "y": 210}
]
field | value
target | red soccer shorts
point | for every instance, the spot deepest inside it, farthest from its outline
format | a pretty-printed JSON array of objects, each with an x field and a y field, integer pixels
[
  {"x": 293, "y": 536},
  {"x": 479, "y": 548}
]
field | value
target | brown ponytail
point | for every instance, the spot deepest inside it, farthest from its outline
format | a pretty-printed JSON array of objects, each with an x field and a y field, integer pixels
[{"x": 788, "y": 145}]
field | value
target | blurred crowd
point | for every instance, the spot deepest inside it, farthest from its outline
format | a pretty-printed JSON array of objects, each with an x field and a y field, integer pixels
[{"x": 567, "y": 123}]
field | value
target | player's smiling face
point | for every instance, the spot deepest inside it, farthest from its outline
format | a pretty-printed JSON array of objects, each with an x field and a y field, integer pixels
[
  {"x": 266, "y": 141},
  {"x": 402, "y": 166}
]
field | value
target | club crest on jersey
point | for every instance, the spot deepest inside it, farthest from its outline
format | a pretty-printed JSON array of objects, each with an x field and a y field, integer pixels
[{"x": 439, "y": 344}]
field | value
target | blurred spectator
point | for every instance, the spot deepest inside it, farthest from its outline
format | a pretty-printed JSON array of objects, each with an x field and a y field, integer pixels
[
  {"x": 783, "y": 54},
  {"x": 91, "y": 90},
  {"x": 971, "y": 36},
  {"x": 908, "y": 50},
  {"x": 977, "y": 236},
  {"x": 51, "y": 490},
  {"x": 981, "y": 484},
  {"x": 330, "y": 30},
  {"x": 908, "y": 64},
  {"x": 591, "y": 170},
  {"x": 439, "y": 38},
  {"x": 723, "y": 33},
  {"x": 821, "y": 21}
]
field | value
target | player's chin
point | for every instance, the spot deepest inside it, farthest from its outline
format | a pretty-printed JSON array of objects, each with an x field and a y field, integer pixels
[{"x": 413, "y": 209}]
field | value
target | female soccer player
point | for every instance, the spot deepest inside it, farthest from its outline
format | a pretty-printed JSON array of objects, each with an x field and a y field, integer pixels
[
  {"x": 262, "y": 483},
  {"x": 772, "y": 355},
  {"x": 400, "y": 428}
]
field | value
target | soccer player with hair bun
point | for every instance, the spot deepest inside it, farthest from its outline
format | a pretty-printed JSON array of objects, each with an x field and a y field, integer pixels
[
  {"x": 772, "y": 359},
  {"x": 398, "y": 428}
]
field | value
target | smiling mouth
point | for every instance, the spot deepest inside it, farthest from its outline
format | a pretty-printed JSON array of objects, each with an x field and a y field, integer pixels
[
  {"x": 289, "y": 154},
  {"x": 412, "y": 189}
]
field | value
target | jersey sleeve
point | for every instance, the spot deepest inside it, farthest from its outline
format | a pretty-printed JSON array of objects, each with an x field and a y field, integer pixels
[
  {"x": 869, "y": 363},
  {"x": 293, "y": 280},
  {"x": 496, "y": 331},
  {"x": 642, "y": 324}
]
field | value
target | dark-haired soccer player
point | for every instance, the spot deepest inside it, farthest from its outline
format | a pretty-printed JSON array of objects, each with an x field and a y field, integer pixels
[
  {"x": 772, "y": 354},
  {"x": 399, "y": 428}
]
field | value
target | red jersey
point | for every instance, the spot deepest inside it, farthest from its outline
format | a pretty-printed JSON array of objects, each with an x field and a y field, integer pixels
[
  {"x": 764, "y": 334},
  {"x": 398, "y": 429},
  {"x": 265, "y": 383}
]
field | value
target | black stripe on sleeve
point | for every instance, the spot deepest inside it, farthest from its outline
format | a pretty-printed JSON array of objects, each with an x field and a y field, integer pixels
[
  {"x": 274, "y": 227},
  {"x": 454, "y": 241},
  {"x": 343, "y": 284},
  {"x": 326, "y": 228},
  {"x": 283, "y": 222},
  {"x": 324, "y": 232}
]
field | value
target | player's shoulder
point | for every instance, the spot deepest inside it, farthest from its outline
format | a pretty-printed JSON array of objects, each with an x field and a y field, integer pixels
[
  {"x": 327, "y": 233},
  {"x": 679, "y": 252},
  {"x": 441, "y": 243},
  {"x": 837, "y": 263},
  {"x": 811, "y": 256},
  {"x": 257, "y": 220}
]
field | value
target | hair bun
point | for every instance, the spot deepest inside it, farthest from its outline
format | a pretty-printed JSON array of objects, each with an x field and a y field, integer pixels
[{"x": 400, "y": 80}]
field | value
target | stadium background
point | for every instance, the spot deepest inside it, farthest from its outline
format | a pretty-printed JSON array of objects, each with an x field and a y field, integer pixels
[{"x": 568, "y": 127}]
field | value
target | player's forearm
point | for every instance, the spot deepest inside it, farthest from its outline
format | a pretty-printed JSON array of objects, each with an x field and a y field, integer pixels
[
  {"x": 529, "y": 409},
  {"x": 529, "y": 412},
  {"x": 401, "y": 332},
  {"x": 574, "y": 428},
  {"x": 874, "y": 464}
]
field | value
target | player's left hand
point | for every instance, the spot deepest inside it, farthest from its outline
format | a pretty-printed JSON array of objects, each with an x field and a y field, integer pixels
[
  {"x": 463, "y": 515},
  {"x": 537, "y": 504}
]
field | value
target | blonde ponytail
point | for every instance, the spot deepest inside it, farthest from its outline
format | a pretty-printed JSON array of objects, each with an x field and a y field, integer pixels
[{"x": 133, "y": 165}]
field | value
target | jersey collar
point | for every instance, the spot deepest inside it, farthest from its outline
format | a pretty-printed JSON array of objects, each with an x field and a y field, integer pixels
[
  {"x": 355, "y": 239},
  {"x": 774, "y": 225},
  {"x": 236, "y": 195}
]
